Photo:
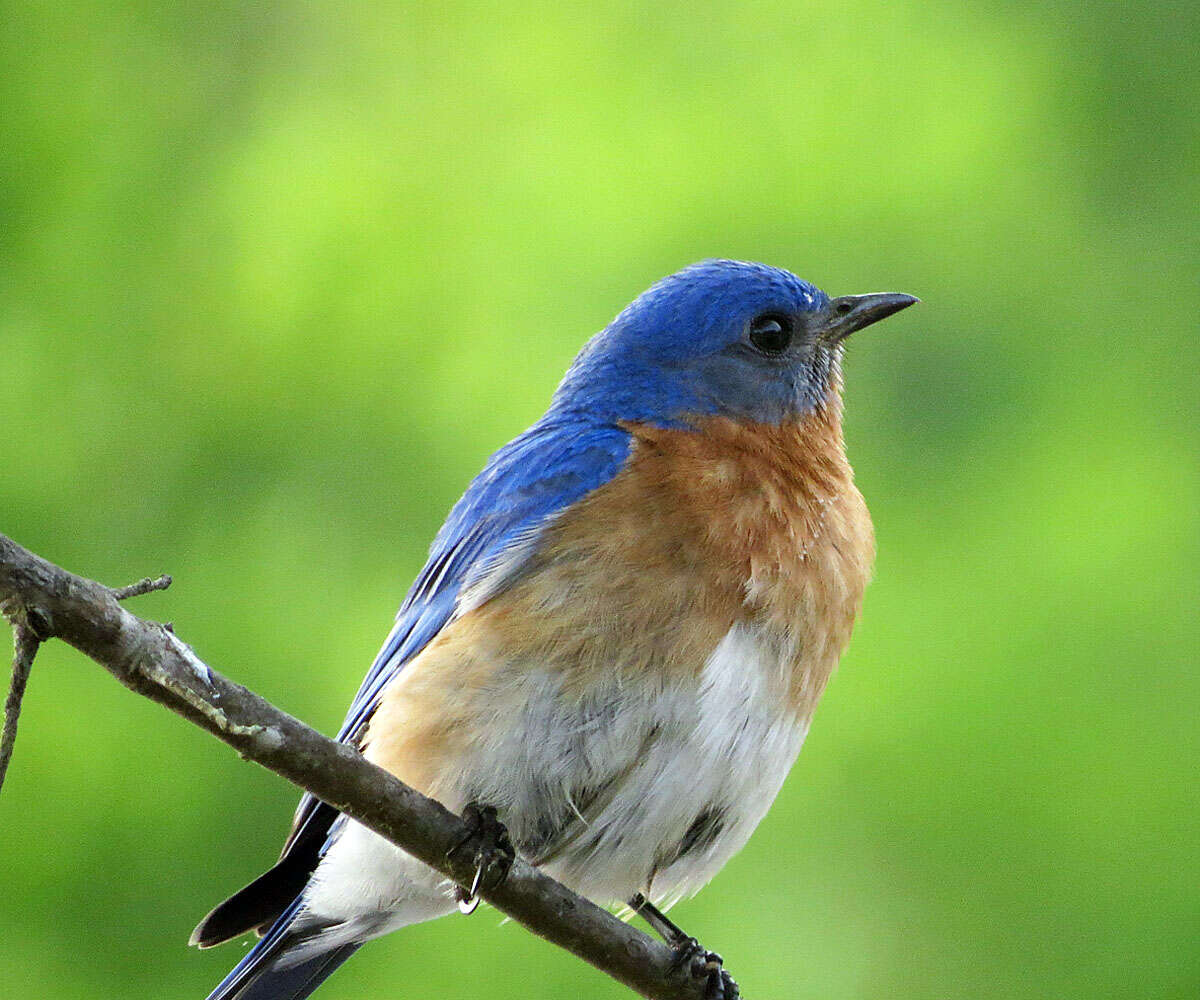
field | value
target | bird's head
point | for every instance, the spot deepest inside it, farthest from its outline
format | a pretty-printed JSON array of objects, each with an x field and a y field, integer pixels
[{"x": 720, "y": 338}]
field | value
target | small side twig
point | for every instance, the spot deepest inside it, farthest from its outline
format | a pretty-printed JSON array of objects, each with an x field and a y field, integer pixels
[
  {"x": 143, "y": 586},
  {"x": 25, "y": 647}
]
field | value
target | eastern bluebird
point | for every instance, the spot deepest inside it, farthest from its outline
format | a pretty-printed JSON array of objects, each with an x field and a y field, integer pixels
[{"x": 621, "y": 633}]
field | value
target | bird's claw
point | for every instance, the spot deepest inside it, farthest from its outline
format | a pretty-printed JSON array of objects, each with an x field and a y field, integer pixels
[
  {"x": 700, "y": 963},
  {"x": 491, "y": 852}
]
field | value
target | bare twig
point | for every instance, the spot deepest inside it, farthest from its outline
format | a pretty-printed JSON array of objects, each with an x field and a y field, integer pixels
[
  {"x": 25, "y": 647},
  {"x": 151, "y": 660},
  {"x": 143, "y": 586}
]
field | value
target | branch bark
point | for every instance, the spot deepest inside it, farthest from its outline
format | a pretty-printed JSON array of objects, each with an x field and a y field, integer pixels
[{"x": 151, "y": 660}]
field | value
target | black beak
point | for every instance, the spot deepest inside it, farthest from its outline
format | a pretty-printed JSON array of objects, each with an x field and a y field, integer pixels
[{"x": 844, "y": 315}]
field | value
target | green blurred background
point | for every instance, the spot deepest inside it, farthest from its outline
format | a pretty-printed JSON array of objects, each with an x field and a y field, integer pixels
[{"x": 276, "y": 279}]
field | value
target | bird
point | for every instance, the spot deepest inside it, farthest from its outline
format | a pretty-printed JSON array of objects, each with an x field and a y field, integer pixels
[{"x": 613, "y": 654}]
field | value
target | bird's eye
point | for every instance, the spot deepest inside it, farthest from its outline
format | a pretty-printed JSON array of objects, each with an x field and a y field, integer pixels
[{"x": 771, "y": 333}]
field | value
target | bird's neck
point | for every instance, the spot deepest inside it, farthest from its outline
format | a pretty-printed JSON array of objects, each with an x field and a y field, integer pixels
[{"x": 804, "y": 456}]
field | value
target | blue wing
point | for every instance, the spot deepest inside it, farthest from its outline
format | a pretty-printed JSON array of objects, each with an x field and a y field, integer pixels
[
  {"x": 486, "y": 540},
  {"x": 491, "y": 532}
]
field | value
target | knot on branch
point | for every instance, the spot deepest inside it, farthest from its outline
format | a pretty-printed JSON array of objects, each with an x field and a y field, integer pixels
[
  {"x": 28, "y": 618},
  {"x": 38, "y": 623}
]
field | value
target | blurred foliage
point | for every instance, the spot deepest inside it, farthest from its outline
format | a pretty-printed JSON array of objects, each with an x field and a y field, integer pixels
[{"x": 275, "y": 279}]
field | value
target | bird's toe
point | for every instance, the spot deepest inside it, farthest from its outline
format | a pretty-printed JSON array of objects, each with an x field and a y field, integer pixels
[{"x": 490, "y": 849}]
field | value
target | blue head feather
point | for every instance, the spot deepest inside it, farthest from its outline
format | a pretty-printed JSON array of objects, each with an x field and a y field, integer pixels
[{"x": 680, "y": 351}]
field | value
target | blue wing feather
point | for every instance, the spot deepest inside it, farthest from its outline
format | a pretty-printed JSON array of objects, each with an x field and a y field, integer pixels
[{"x": 524, "y": 486}]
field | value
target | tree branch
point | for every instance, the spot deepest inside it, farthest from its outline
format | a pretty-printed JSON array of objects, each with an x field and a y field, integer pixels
[{"x": 44, "y": 601}]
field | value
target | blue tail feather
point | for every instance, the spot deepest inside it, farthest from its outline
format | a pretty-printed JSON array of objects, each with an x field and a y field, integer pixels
[
  {"x": 263, "y": 973},
  {"x": 263, "y": 981}
]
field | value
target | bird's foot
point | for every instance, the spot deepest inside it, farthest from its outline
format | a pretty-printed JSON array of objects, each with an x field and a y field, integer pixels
[
  {"x": 692, "y": 958},
  {"x": 491, "y": 852}
]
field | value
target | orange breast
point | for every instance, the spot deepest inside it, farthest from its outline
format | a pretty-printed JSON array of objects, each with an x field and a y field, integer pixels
[
  {"x": 703, "y": 529},
  {"x": 777, "y": 533}
]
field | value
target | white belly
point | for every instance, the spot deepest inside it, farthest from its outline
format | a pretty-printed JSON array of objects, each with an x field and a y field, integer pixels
[
  {"x": 710, "y": 766},
  {"x": 641, "y": 786}
]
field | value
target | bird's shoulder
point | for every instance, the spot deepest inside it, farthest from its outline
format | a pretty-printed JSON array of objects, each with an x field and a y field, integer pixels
[{"x": 492, "y": 531}]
